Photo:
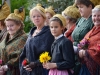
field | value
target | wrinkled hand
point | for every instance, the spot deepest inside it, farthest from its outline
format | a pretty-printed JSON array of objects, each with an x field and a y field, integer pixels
[
  {"x": 30, "y": 66},
  {"x": 81, "y": 53}
]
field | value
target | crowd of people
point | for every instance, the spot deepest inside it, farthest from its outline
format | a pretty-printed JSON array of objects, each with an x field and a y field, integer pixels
[{"x": 70, "y": 38}]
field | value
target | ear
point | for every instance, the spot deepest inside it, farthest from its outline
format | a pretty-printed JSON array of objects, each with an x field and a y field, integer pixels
[
  {"x": 90, "y": 6},
  {"x": 20, "y": 25}
]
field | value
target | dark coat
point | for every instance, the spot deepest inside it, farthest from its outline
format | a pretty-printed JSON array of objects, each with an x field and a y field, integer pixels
[
  {"x": 34, "y": 47},
  {"x": 63, "y": 53}
]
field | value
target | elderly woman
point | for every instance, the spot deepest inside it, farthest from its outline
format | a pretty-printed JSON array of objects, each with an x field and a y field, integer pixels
[
  {"x": 91, "y": 55},
  {"x": 4, "y": 12},
  {"x": 71, "y": 14},
  {"x": 49, "y": 14},
  {"x": 39, "y": 41},
  {"x": 12, "y": 45}
]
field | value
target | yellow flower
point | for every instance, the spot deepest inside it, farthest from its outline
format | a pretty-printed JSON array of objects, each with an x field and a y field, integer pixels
[{"x": 44, "y": 57}]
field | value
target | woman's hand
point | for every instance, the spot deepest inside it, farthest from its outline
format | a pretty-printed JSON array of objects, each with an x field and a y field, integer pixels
[
  {"x": 81, "y": 53},
  {"x": 27, "y": 68},
  {"x": 30, "y": 66},
  {"x": 49, "y": 65}
]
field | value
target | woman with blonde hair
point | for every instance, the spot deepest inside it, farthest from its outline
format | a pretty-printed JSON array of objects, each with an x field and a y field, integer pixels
[
  {"x": 71, "y": 14},
  {"x": 49, "y": 14},
  {"x": 39, "y": 41}
]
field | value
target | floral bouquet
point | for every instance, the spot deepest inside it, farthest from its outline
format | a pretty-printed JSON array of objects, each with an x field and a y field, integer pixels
[
  {"x": 83, "y": 44},
  {"x": 44, "y": 57},
  {"x": 25, "y": 62}
]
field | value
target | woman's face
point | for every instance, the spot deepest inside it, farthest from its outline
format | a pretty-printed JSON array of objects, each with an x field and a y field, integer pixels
[
  {"x": 48, "y": 16},
  {"x": 96, "y": 17},
  {"x": 37, "y": 18},
  {"x": 84, "y": 10},
  {"x": 55, "y": 28},
  {"x": 12, "y": 27}
]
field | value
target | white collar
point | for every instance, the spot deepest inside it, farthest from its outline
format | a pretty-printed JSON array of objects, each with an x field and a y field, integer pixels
[{"x": 59, "y": 36}]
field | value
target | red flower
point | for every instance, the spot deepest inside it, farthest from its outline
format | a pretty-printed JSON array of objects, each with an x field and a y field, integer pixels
[
  {"x": 98, "y": 46},
  {"x": 25, "y": 62},
  {"x": 0, "y": 62}
]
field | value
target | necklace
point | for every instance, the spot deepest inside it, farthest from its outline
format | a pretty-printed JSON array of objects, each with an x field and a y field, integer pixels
[{"x": 37, "y": 31}]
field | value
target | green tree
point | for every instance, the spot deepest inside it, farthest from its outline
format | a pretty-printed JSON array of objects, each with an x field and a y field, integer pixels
[
  {"x": 15, "y": 4},
  {"x": 59, "y": 6}
]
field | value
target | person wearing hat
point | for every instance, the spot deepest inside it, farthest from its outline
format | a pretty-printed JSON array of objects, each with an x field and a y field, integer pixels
[
  {"x": 62, "y": 60},
  {"x": 71, "y": 14},
  {"x": 91, "y": 55},
  {"x": 12, "y": 45},
  {"x": 49, "y": 13},
  {"x": 4, "y": 12},
  {"x": 39, "y": 41}
]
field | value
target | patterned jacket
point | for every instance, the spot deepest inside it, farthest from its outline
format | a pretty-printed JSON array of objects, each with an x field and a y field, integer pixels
[
  {"x": 92, "y": 58},
  {"x": 10, "y": 51}
]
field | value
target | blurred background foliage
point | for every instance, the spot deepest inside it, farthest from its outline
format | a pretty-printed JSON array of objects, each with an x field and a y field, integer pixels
[{"x": 58, "y": 5}]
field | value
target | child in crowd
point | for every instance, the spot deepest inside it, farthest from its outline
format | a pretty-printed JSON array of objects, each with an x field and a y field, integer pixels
[{"x": 62, "y": 49}]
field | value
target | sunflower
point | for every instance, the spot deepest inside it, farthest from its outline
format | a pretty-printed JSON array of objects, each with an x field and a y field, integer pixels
[{"x": 44, "y": 57}]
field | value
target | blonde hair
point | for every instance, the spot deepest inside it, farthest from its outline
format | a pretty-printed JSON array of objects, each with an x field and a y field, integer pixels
[
  {"x": 60, "y": 18},
  {"x": 50, "y": 10},
  {"x": 40, "y": 9},
  {"x": 17, "y": 17},
  {"x": 71, "y": 12}
]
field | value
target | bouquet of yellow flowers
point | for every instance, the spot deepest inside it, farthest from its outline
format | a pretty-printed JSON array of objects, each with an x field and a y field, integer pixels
[{"x": 44, "y": 57}]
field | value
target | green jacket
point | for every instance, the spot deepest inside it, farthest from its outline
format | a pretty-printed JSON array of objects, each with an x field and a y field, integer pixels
[{"x": 82, "y": 28}]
